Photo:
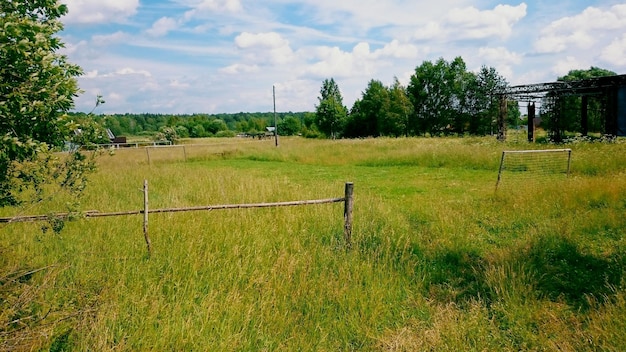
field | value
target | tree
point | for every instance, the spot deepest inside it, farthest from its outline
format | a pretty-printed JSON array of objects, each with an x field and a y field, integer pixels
[
  {"x": 483, "y": 106},
  {"x": 514, "y": 115},
  {"x": 330, "y": 114},
  {"x": 433, "y": 90},
  {"x": 289, "y": 126},
  {"x": 367, "y": 117},
  {"x": 37, "y": 87},
  {"x": 400, "y": 110}
]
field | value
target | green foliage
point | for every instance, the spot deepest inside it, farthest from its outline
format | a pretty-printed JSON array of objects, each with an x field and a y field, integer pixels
[
  {"x": 37, "y": 87},
  {"x": 368, "y": 113},
  {"x": 169, "y": 134},
  {"x": 381, "y": 111},
  {"x": 447, "y": 99},
  {"x": 289, "y": 126},
  {"x": 330, "y": 113}
]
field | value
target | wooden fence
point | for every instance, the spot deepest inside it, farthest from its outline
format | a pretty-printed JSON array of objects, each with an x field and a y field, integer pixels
[{"x": 348, "y": 200}]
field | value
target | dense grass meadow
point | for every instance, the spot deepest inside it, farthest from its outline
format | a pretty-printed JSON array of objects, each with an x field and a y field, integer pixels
[{"x": 440, "y": 260}]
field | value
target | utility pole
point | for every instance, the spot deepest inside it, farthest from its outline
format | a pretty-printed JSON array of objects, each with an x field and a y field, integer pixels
[{"x": 275, "y": 125}]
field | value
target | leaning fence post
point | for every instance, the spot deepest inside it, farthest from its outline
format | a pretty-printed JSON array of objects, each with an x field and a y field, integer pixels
[
  {"x": 145, "y": 216},
  {"x": 347, "y": 214}
]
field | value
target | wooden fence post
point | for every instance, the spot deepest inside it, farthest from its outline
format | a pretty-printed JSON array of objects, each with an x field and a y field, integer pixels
[
  {"x": 347, "y": 214},
  {"x": 145, "y": 217},
  {"x": 148, "y": 154}
]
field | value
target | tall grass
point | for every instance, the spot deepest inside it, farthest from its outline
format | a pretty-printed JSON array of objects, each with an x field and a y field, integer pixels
[{"x": 440, "y": 260}]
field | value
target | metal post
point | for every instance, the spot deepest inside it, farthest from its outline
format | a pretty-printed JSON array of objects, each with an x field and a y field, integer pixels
[{"x": 531, "y": 122}]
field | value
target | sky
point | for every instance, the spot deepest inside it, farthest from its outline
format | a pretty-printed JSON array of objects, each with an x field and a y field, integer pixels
[{"x": 227, "y": 56}]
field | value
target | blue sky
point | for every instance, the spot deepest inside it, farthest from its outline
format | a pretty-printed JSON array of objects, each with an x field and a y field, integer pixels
[{"x": 213, "y": 56}]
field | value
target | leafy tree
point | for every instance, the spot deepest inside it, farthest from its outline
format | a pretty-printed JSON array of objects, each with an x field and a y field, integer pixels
[
  {"x": 367, "y": 116},
  {"x": 37, "y": 87},
  {"x": 483, "y": 104},
  {"x": 167, "y": 133},
  {"x": 289, "y": 126},
  {"x": 400, "y": 111},
  {"x": 514, "y": 115},
  {"x": 330, "y": 114},
  {"x": 216, "y": 125},
  {"x": 198, "y": 131},
  {"x": 182, "y": 131},
  {"x": 431, "y": 91}
]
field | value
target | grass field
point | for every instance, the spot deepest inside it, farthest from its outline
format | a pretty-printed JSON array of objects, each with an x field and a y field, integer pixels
[{"x": 440, "y": 261}]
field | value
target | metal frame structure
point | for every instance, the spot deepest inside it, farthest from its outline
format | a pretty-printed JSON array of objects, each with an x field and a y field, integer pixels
[{"x": 609, "y": 89}]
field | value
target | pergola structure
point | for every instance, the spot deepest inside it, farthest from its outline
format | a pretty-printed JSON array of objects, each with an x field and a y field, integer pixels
[{"x": 611, "y": 90}]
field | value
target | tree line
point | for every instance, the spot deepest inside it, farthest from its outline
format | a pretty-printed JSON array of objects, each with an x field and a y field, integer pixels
[
  {"x": 442, "y": 98},
  {"x": 198, "y": 125}
]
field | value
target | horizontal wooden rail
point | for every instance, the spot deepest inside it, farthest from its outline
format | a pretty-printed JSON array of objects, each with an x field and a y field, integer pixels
[
  {"x": 97, "y": 214},
  {"x": 348, "y": 200}
]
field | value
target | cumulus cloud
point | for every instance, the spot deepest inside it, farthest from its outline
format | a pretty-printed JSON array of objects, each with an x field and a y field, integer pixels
[
  {"x": 615, "y": 53},
  {"x": 239, "y": 68},
  {"x": 268, "y": 47},
  {"x": 162, "y": 26},
  {"x": 471, "y": 23},
  {"x": 211, "y": 7},
  {"x": 219, "y": 5},
  {"x": 108, "y": 39},
  {"x": 562, "y": 67},
  {"x": 334, "y": 62},
  {"x": 395, "y": 49},
  {"x": 131, "y": 71},
  {"x": 581, "y": 31},
  {"x": 499, "y": 55},
  {"x": 99, "y": 11},
  {"x": 500, "y": 58},
  {"x": 267, "y": 40}
]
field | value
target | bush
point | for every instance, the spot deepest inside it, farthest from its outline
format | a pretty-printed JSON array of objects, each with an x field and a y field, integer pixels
[{"x": 225, "y": 134}]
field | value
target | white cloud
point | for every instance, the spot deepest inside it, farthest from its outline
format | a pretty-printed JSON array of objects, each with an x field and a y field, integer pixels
[
  {"x": 431, "y": 30},
  {"x": 162, "y": 26},
  {"x": 471, "y": 23},
  {"x": 131, "y": 71},
  {"x": 581, "y": 31},
  {"x": 500, "y": 58},
  {"x": 219, "y": 5},
  {"x": 267, "y": 40},
  {"x": 211, "y": 7},
  {"x": 108, "y": 39},
  {"x": 397, "y": 50},
  {"x": 91, "y": 74},
  {"x": 615, "y": 53},
  {"x": 265, "y": 47},
  {"x": 334, "y": 62},
  {"x": 562, "y": 67},
  {"x": 239, "y": 68},
  {"x": 99, "y": 11},
  {"x": 175, "y": 83},
  {"x": 499, "y": 55}
]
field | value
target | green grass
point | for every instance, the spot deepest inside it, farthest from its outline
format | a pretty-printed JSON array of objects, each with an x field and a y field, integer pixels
[{"x": 440, "y": 260}]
